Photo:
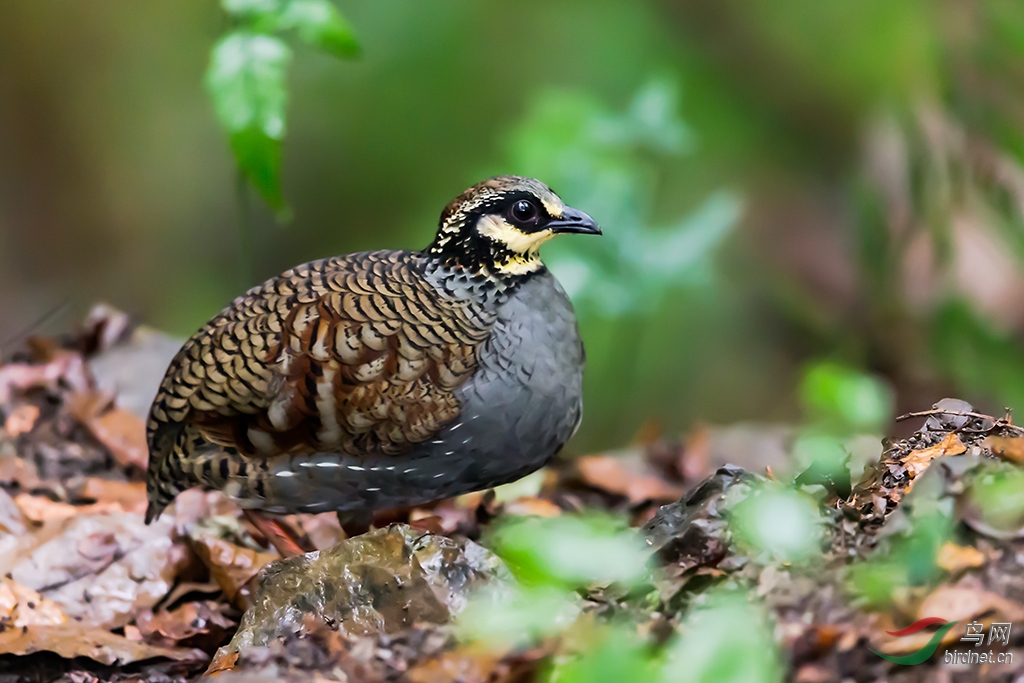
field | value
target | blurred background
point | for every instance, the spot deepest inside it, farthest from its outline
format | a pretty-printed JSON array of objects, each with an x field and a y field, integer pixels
[{"x": 789, "y": 195}]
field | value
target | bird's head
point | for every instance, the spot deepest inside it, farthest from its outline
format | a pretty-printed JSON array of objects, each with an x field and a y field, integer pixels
[{"x": 496, "y": 227}]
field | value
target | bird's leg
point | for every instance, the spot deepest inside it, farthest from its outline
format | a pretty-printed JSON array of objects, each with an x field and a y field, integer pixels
[
  {"x": 285, "y": 540},
  {"x": 355, "y": 522}
]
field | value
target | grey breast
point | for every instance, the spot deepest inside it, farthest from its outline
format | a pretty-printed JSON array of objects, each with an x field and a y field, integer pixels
[{"x": 520, "y": 406}]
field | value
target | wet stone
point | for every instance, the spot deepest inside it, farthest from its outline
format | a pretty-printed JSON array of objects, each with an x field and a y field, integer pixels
[{"x": 380, "y": 582}]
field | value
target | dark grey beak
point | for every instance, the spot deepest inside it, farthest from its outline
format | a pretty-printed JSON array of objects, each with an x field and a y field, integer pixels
[{"x": 574, "y": 221}]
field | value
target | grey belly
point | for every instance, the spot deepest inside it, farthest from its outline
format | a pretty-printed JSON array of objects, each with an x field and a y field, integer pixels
[{"x": 523, "y": 403}]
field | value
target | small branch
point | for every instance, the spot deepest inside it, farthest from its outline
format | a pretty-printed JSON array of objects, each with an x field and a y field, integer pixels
[{"x": 936, "y": 411}]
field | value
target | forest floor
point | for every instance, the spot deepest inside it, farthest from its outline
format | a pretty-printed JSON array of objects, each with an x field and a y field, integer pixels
[{"x": 89, "y": 593}]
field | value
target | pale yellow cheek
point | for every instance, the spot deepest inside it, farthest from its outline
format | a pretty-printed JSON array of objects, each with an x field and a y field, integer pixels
[
  {"x": 499, "y": 230},
  {"x": 553, "y": 206}
]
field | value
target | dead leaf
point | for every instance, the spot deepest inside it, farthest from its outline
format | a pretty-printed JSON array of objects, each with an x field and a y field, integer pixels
[
  {"x": 21, "y": 606},
  {"x": 41, "y": 509},
  {"x": 65, "y": 366},
  {"x": 466, "y": 665},
  {"x": 695, "y": 458},
  {"x": 130, "y": 496},
  {"x": 223, "y": 660},
  {"x": 230, "y": 565},
  {"x": 966, "y": 602},
  {"x": 190, "y": 619},
  {"x": 535, "y": 507},
  {"x": 956, "y": 558},
  {"x": 918, "y": 461},
  {"x": 611, "y": 475},
  {"x": 21, "y": 420},
  {"x": 121, "y": 432},
  {"x": 1009, "y": 448},
  {"x": 72, "y": 640},
  {"x": 102, "y": 569}
]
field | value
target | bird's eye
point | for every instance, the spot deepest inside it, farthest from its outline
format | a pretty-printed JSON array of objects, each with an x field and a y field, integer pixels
[{"x": 523, "y": 211}]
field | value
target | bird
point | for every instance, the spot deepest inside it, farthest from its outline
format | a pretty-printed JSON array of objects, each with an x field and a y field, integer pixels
[{"x": 383, "y": 379}]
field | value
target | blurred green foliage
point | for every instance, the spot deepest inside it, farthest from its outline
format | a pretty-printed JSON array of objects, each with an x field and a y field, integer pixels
[
  {"x": 906, "y": 554},
  {"x": 570, "y": 551},
  {"x": 995, "y": 493},
  {"x": 779, "y": 182},
  {"x": 726, "y": 639},
  {"x": 246, "y": 78},
  {"x": 845, "y": 400},
  {"x": 778, "y": 523}
]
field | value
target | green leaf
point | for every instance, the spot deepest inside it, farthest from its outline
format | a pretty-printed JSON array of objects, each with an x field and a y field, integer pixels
[
  {"x": 725, "y": 640},
  {"x": 320, "y": 25},
  {"x": 783, "y": 524},
  {"x": 570, "y": 551},
  {"x": 318, "y": 22},
  {"x": 246, "y": 80},
  {"x": 259, "y": 158},
  {"x": 845, "y": 397}
]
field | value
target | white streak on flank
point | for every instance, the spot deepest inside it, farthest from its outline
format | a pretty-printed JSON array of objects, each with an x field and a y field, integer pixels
[
  {"x": 356, "y": 468},
  {"x": 454, "y": 427},
  {"x": 439, "y": 474},
  {"x": 286, "y": 474},
  {"x": 411, "y": 469},
  {"x": 327, "y": 464},
  {"x": 373, "y": 489}
]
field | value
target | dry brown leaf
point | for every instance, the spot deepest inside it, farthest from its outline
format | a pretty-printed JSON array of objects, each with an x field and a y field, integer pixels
[
  {"x": 466, "y": 665},
  {"x": 102, "y": 569},
  {"x": 957, "y": 603},
  {"x": 536, "y": 507},
  {"x": 956, "y": 558},
  {"x": 131, "y": 496},
  {"x": 609, "y": 474},
  {"x": 21, "y": 420},
  {"x": 121, "y": 432},
  {"x": 184, "y": 622},
  {"x": 230, "y": 565},
  {"x": 66, "y": 366},
  {"x": 73, "y": 640},
  {"x": 918, "y": 461},
  {"x": 22, "y": 606},
  {"x": 41, "y": 509},
  {"x": 1009, "y": 448},
  {"x": 223, "y": 660}
]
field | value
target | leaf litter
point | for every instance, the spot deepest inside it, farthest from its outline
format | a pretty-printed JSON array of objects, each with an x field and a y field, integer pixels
[{"x": 88, "y": 593}]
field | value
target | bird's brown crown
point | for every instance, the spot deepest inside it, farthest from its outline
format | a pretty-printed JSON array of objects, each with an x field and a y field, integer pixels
[{"x": 496, "y": 227}]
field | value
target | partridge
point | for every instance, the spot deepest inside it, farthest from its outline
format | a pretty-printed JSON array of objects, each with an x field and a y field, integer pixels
[{"x": 383, "y": 379}]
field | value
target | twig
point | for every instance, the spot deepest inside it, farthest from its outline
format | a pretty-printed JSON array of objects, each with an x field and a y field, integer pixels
[{"x": 937, "y": 411}]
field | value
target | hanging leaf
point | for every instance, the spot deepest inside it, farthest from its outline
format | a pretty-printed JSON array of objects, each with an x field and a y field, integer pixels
[
  {"x": 318, "y": 22},
  {"x": 320, "y": 25},
  {"x": 246, "y": 81}
]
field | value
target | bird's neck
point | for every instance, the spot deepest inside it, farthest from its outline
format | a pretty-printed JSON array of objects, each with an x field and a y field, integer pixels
[
  {"x": 466, "y": 254},
  {"x": 470, "y": 279}
]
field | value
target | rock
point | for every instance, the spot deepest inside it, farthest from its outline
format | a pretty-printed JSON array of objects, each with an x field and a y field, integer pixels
[
  {"x": 692, "y": 535},
  {"x": 132, "y": 370},
  {"x": 381, "y": 582}
]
